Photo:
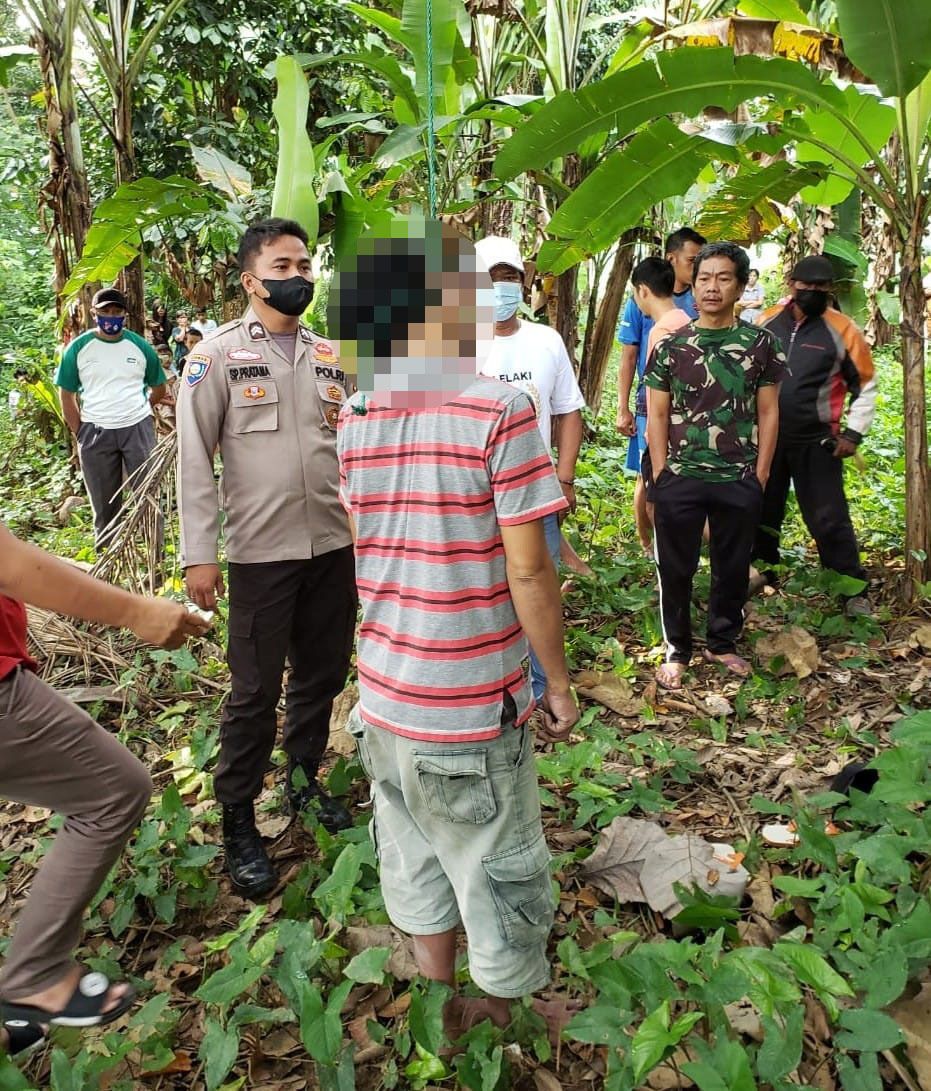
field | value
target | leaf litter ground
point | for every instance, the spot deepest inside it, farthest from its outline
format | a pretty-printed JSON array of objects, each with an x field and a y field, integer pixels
[{"x": 825, "y": 692}]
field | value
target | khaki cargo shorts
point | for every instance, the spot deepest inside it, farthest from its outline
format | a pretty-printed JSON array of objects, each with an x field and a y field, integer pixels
[{"x": 458, "y": 835}]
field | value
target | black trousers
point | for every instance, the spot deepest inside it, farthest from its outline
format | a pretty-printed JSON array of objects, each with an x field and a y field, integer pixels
[
  {"x": 302, "y": 611},
  {"x": 819, "y": 487},
  {"x": 681, "y": 506}
]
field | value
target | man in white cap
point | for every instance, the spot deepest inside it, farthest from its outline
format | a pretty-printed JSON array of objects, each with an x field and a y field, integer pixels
[{"x": 534, "y": 358}]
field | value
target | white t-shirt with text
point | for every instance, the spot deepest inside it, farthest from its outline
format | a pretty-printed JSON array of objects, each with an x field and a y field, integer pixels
[{"x": 535, "y": 360}]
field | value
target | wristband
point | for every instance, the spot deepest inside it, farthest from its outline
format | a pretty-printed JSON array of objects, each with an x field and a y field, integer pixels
[{"x": 562, "y": 481}]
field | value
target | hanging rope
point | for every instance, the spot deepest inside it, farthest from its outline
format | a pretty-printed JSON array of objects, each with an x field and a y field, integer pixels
[{"x": 431, "y": 138}]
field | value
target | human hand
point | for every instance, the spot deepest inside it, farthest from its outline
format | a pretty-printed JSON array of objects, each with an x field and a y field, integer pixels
[
  {"x": 568, "y": 491},
  {"x": 204, "y": 584},
  {"x": 165, "y": 623},
  {"x": 626, "y": 424},
  {"x": 560, "y": 714},
  {"x": 844, "y": 448}
]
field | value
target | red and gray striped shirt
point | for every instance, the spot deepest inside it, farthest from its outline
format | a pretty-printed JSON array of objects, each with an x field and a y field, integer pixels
[{"x": 440, "y": 644}]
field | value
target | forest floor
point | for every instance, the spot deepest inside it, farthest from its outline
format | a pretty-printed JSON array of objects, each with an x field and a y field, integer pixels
[{"x": 816, "y": 975}]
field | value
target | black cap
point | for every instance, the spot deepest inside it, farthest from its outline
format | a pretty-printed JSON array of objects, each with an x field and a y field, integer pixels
[
  {"x": 109, "y": 295},
  {"x": 815, "y": 269}
]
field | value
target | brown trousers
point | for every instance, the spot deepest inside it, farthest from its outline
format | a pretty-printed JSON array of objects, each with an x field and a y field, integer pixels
[{"x": 52, "y": 754}]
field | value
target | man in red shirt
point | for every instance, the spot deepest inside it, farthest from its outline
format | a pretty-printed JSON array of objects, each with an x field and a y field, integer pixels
[{"x": 52, "y": 754}]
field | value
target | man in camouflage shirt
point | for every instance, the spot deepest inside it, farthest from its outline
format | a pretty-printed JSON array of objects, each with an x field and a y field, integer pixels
[{"x": 713, "y": 419}]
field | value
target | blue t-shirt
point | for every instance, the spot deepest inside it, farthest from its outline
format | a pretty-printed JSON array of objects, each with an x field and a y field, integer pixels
[{"x": 634, "y": 329}]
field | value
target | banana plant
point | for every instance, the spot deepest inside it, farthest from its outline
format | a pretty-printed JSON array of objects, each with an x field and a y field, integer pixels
[{"x": 838, "y": 136}]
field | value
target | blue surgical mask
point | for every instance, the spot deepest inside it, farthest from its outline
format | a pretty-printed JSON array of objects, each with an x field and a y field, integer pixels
[
  {"x": 508, "y": 296},
  {"x": 109, "y": 323}
]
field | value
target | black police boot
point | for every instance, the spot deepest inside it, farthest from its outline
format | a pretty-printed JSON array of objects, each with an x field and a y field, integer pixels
[
  {"x": 246, "y": 859},
  {"x": 332, "y": 815}
]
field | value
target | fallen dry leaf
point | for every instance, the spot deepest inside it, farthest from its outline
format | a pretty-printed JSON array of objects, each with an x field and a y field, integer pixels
[
  {"x": 272, "y": 826},
  {"x": 401, "y": 964},
  {"x": 181, "y": 1062},
  {"x": 609, "y": 690},
  {"x": 718, "y": 705},
  {"x": 914, "y": 1017},
  {"x": 544, "y": 1080},
  {"x": 341, "y": 742},
  {"x": 921, "y": 637},
  {"x": 636, "y": 861},
  {"x": 797, "y": 647}
]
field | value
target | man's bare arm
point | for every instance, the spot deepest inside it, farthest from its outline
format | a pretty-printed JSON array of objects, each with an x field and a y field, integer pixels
[
  {"x": 157, "y": 393},
  {"x": 535, "y": 593},
  {"x": 31, "y": 575},
  {"x": 625, "y": 382},
  {"x": 71, "y": 409},
  {"x": 658, "y": 430},
  {"x": 767, "y": 416}
]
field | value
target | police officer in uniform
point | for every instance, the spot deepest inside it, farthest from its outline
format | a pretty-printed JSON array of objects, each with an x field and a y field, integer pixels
[{"x": 267, "y": 390}]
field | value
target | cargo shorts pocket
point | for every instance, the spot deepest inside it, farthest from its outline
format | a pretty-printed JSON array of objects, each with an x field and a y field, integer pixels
[
  {"x": 456, "y": 787},
  {"x": 520, "y": 885}
]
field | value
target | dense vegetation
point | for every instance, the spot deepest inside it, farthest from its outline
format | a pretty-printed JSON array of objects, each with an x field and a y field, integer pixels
[{"x": 819, "y": 976}]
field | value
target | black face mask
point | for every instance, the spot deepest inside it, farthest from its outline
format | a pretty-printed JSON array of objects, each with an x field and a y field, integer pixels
[
  {"x": 812, "y": 302},
  {"x": 291, "y": 296}
]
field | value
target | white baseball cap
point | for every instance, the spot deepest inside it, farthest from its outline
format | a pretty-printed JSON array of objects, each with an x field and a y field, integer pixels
[{"x": 497, "y": 250}]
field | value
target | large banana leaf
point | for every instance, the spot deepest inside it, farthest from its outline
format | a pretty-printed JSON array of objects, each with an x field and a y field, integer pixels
[
  {"x": 742, "y": 210},
  {"x": 888, "y": 40},
  {"x": 782, "y": 10},
  {"x": 382, "y": 64},
  {"x": 294, "y": 197},
  {"x": 872, "y": 118},
  {"x": 683, "y": 81},
  {"x": 659, "y": 162},
  {"x": 115, "y": 235}
]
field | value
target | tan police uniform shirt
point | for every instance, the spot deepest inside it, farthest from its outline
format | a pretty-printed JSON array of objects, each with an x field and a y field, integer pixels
[{"x": 274, "y": 420}]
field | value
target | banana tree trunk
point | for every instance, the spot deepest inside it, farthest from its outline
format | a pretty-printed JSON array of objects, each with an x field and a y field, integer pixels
[
  {"x": 566, "y": 318},
  {"x": 911, "y": 295},
  {"x": 595, "y": 359},
  {"x": 64, "y": 202}
]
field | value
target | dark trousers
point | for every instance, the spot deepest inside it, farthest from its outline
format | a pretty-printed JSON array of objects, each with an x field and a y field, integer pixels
[
  {"x": 681, "y": 506},
  {"x": 302, "y": 611},
  {"x": 108, "y": 456},
  {"x": 819, "y": 487}
]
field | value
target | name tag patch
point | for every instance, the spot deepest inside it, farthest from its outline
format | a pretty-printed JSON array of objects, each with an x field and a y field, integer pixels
[
  {"x": 248, "y": 371},
  {"x": 335, "y": 373},
  {"x": 196, "y": 368}
]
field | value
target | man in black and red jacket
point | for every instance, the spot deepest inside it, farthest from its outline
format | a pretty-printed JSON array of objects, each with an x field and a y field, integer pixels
[{"x": 830, "y": 371}]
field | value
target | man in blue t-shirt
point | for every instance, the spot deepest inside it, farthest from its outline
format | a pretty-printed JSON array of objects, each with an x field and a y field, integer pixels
[{"x": 633, "y": 333}]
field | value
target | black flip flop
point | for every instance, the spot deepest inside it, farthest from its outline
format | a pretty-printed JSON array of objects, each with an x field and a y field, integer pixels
[
  {"x": 22, "y": 1036},
  {"x": 84, "y": 1008}
]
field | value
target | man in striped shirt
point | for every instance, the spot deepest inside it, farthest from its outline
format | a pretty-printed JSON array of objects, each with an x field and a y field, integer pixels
[{"x": 447, "y": 497}]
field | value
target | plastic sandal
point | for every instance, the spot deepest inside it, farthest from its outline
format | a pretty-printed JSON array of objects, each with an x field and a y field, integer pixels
[{"x": 84, "y": 1008}]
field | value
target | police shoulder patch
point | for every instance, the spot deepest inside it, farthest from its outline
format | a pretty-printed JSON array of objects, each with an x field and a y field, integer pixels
[{"x": 195, "y": 368}]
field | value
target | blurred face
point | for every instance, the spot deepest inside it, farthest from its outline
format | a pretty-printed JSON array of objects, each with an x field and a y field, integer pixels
[
  {"x": 751, "y": 283},
  {"x": 716, "y": 286},
  {"x": 182, "y": 320},
  {"x": 683, "y": 261}
]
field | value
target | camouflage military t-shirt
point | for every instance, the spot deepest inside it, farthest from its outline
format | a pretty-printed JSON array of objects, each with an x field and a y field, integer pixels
[{"x": 712, "y": 377}]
